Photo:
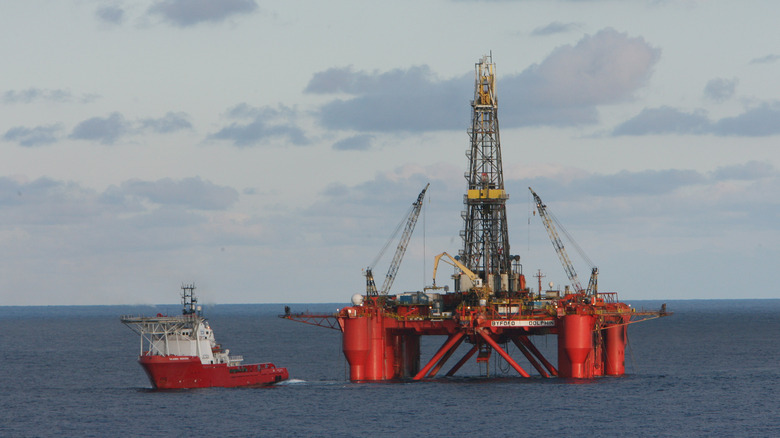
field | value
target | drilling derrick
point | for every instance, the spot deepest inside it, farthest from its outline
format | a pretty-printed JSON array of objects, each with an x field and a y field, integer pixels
[{"x": 485, "y": 232}]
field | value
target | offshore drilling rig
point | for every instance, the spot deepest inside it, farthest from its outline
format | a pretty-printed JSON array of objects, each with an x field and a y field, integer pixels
[{"x": 491, "y": 303}]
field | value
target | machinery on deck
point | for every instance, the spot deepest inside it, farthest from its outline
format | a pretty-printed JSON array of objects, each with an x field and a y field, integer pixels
[{"x": 490, "y": 304}]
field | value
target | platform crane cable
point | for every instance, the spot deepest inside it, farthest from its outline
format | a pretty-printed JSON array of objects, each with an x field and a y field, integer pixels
[
  {"x": 410, "y": 219},
  {"x": 550, "y": 223}
]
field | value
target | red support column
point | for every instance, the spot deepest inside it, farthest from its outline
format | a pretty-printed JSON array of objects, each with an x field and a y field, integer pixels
[
  {"x": 615, "y": 349},
  {"x": 355, "y": 343},
  {"x": 575, "y": 346},
  {"x": 375, "y": 366}
]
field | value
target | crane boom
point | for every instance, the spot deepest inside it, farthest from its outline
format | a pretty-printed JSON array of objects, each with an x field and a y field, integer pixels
[
  {"x": 558, "y": 244},
  {"x": 411, "y": 221},
  {"x": 474, "y": 277}
]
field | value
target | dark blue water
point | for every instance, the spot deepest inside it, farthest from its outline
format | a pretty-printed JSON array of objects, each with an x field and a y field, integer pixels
[{"x": 711, "y": 369}]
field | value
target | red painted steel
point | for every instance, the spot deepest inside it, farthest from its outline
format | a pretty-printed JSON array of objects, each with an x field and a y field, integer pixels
[
  {"x": 356, "y": 346},
  {"x": 531, "y": 359},
  {"x": 453, "y": 339},
  {"x": 614, "y": 352},
  {"x": 463, "y": 361},
  {"x": 575, "y": 346},
  {"x": 178, "y": 372},
  {"x": 503, "y": 353},
  {"x": 382, "y": 342},
  {"x": 530, "y": 345},
  {"x": 445, "y": 358}
]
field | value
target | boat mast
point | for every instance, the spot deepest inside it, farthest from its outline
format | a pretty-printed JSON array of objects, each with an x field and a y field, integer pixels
[{"x": 188, "y": 300}]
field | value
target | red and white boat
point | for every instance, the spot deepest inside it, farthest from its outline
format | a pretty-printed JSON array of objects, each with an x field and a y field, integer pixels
[{"x": 181, "y": 352}]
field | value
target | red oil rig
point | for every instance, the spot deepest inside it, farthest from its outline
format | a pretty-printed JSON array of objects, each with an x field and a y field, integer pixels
[{"x": 491, "y": 304}]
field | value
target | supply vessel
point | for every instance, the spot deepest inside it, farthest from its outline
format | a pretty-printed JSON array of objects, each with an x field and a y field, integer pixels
[
  {"x": 491, "y": 306},
  {"x": 180, "y": 352}
]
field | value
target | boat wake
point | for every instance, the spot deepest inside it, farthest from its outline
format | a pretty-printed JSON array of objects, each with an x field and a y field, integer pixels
[{"x": 291, "y": 382}]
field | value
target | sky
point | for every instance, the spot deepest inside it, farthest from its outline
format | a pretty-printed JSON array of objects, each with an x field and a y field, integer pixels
[{"x": 266, "y": 151}]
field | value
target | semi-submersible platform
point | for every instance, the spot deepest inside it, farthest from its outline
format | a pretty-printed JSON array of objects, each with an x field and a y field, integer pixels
[{"x": 491, "y": 304}]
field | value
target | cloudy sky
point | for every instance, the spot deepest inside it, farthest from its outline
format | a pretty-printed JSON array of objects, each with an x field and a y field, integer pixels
[{"x": 267, "y": 150}]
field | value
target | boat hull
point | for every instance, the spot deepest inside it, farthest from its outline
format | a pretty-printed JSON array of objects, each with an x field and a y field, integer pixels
[{"x": 178, "y": 372}]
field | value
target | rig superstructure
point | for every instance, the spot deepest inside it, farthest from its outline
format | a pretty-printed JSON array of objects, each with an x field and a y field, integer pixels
[{"x": 491, "y": 304}]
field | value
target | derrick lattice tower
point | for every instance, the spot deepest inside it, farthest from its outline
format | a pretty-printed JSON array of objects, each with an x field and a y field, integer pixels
[{"x": 485, "y": 232}]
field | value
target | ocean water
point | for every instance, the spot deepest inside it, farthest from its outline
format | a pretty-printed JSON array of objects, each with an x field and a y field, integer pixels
[{"x": 711, "y": 369}]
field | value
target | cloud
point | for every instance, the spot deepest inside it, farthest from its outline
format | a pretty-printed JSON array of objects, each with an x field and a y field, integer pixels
[
  {"x": 108, "y": 130},
  {"x": 756, "y": 122},
  {"x": 621, "y": 184},
  {"x": 29, "y": 137},
  {"x": 412, "y": 100},
  {"x": 768, "y": 59},
  {"x": 760, "y": 121},
  {"x": 720, "y": 89},
  {"x": 191, "y": 193},
  {"x": 260, "y": 126},
  {"x": 360, "y": 142},
  {"x": 565, "y": 89},
  {"x": 184, "y": 13},
  {"x": 31, "y": 95},
  {"x": 44, "y": 201},
  {"x": 555, "y": 28},
  {"x": 666, "y": 203},
  {"x": 84, "y": 238},
  {"x": 568, "y": 86},
  {"x": 664, "y": 120},
  {"x": 105, "y": 130},
  {"x": 111, "y": 14},
  {"x": 171, "y": 122},
  {"x": 752, "y": 170}
]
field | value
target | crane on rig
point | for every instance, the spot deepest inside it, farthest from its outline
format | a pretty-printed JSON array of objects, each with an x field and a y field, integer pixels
[
  {"x": 411, "y": 221},
  {"x": 549, "y": 224},
  {"x": 482, "y": 290}
]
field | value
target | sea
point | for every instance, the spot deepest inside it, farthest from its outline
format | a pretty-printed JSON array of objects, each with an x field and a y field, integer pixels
[{"x": 710, "y": 369}]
